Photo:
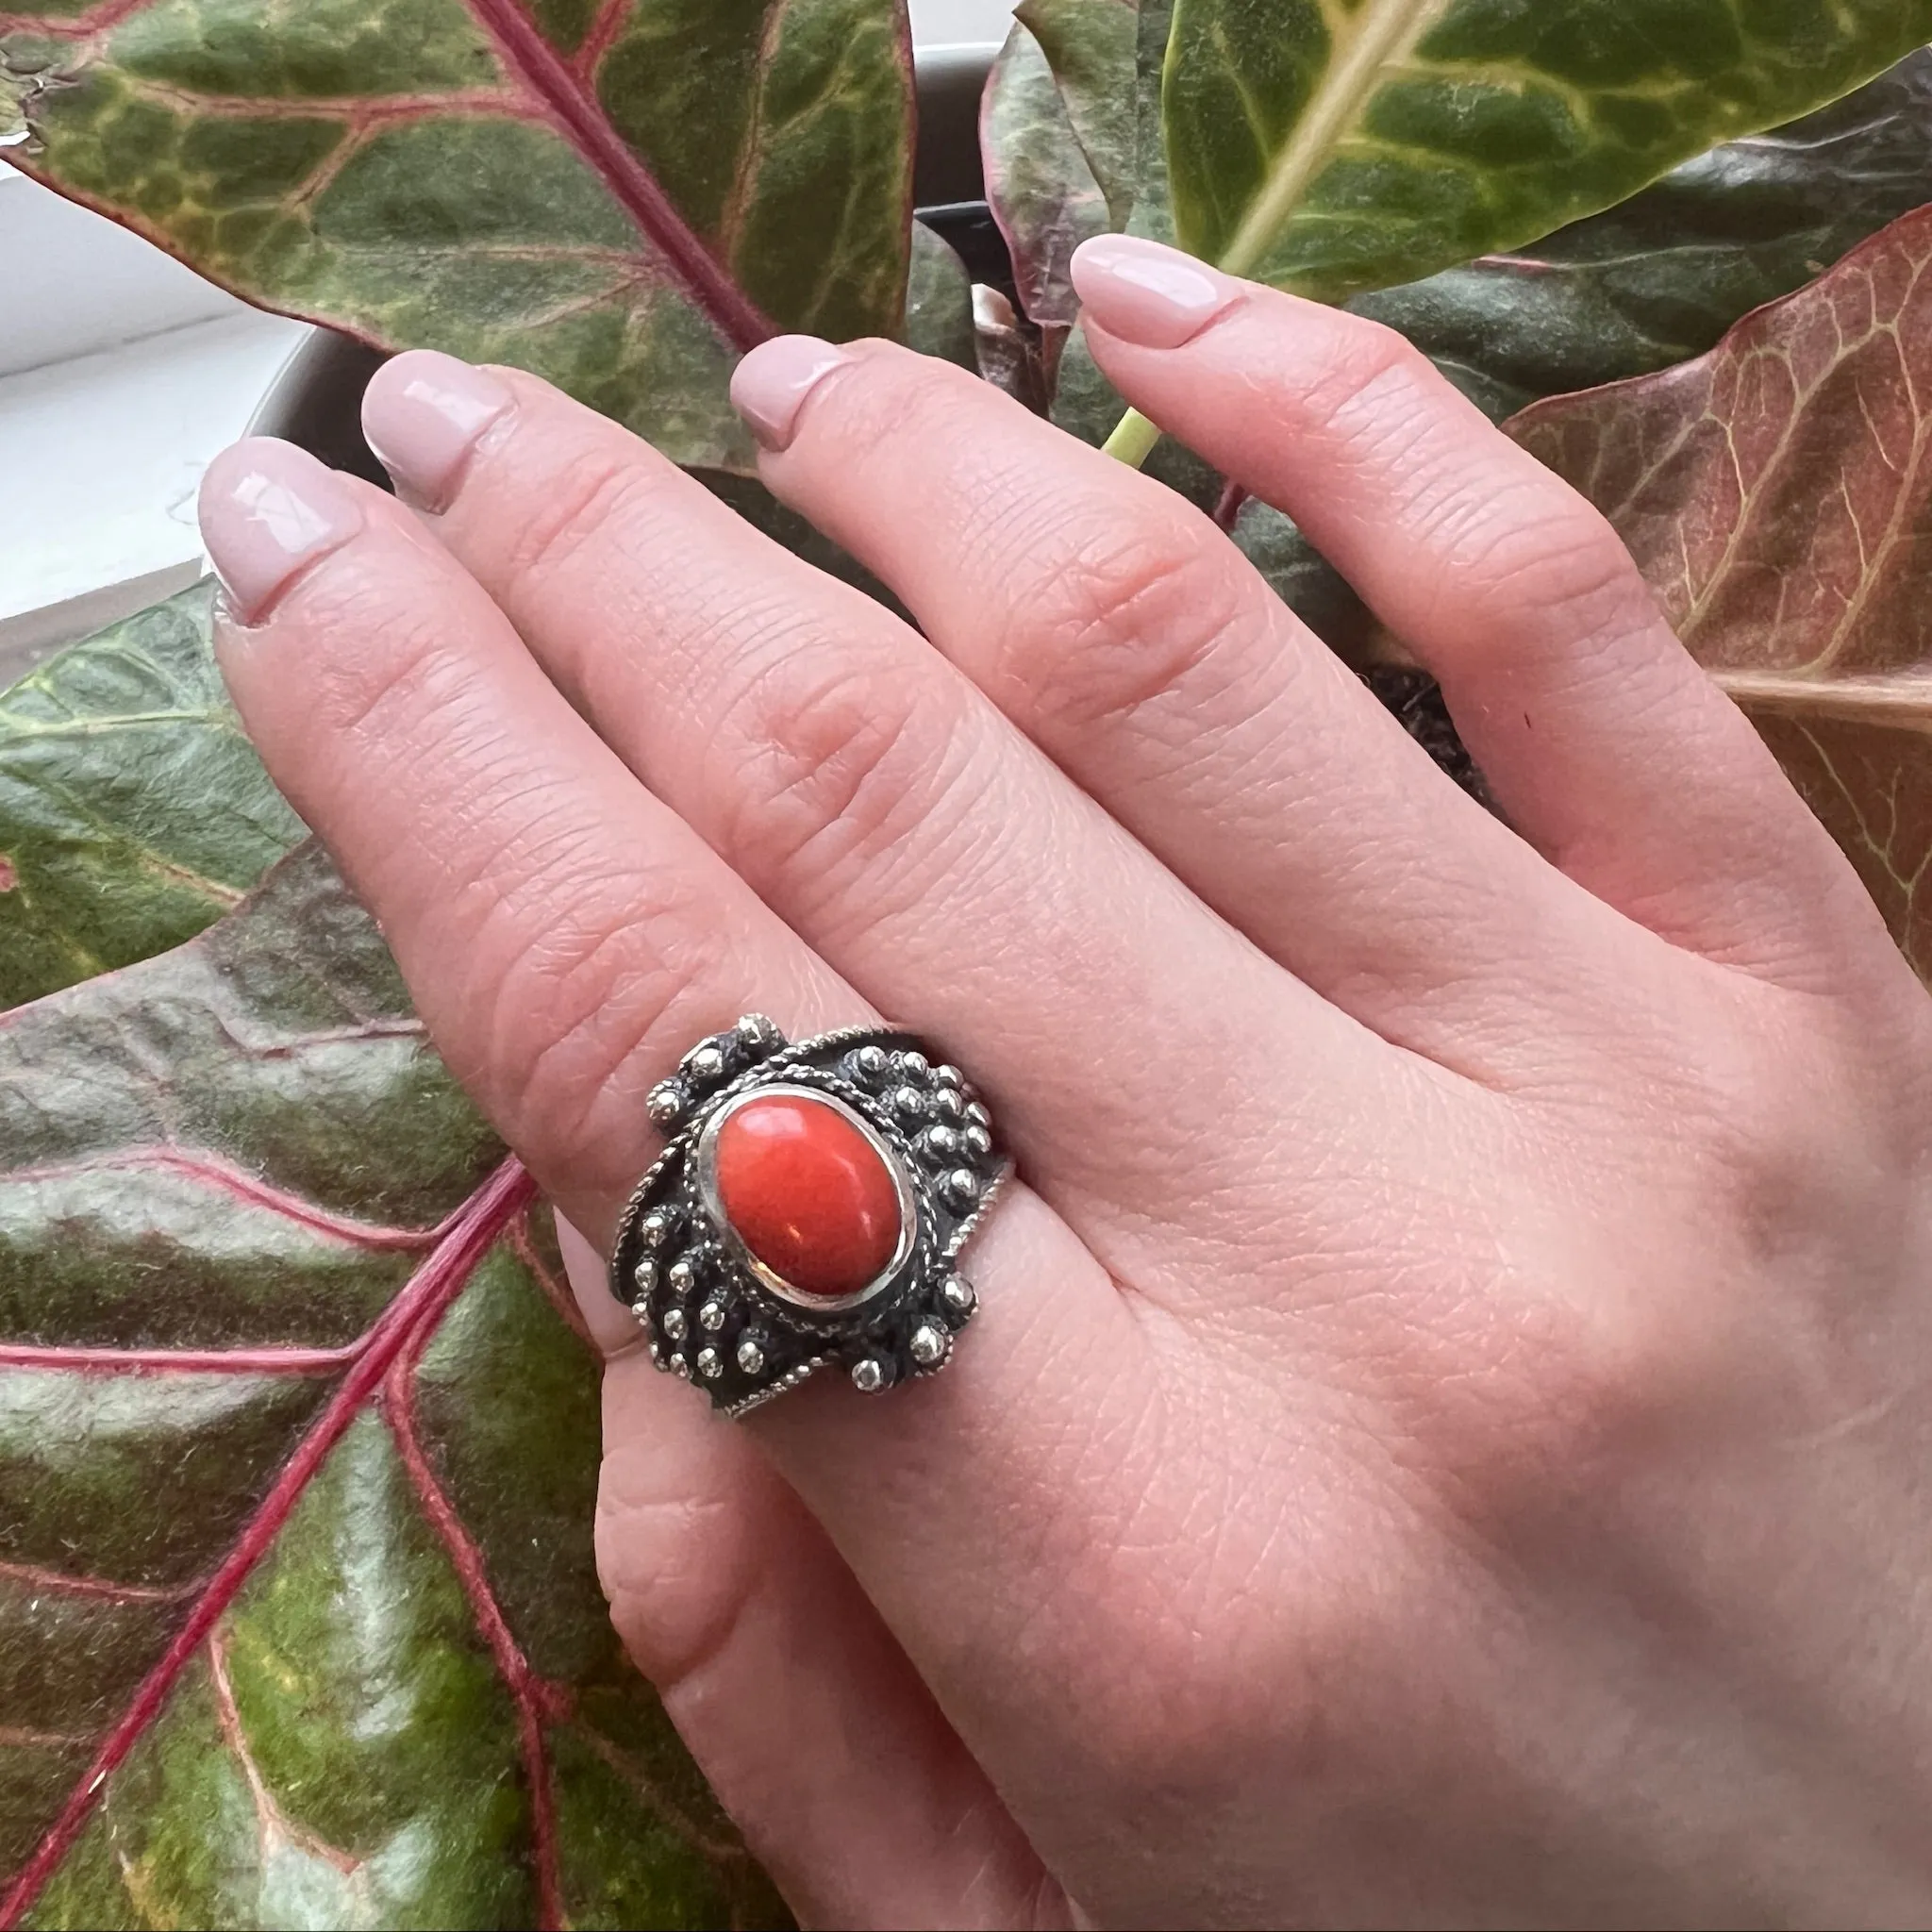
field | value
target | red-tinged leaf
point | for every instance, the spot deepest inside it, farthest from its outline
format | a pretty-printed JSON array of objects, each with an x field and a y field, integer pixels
[
  {"x": 1039, "y": 180},
  {"x": 621, "y": 196},
  {"x": 298, "y": 1448},
  {"x": 1777, "y": 493}
]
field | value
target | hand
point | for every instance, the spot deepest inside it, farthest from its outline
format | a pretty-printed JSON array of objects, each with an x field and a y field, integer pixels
[{"x": 1446, "y": 1438}]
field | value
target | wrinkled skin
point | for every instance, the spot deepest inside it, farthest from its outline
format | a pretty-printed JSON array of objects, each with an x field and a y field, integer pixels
[{"x": 1446, "y": 1440}]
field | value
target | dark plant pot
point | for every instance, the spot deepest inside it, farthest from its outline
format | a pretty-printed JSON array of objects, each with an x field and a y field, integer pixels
[{"x": 316, "y": 400}]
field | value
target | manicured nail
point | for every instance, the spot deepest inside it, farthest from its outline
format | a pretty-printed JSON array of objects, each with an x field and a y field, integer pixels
[
  {"x": 423, "y": 414},
  {"x": 1155, "y": 297},
  {"x": 771, "y": 383},
  {"x": 268, "y": 511}
]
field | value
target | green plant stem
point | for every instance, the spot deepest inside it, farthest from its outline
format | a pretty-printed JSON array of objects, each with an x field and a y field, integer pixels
[{"x": 1133, "y": 440}]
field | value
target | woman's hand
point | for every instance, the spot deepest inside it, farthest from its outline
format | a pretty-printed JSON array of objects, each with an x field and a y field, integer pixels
[{"x": 1447, "y": 1436}]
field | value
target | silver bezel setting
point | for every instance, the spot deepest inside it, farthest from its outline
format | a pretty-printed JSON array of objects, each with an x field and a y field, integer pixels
[{"x": 712, "y": 1311}]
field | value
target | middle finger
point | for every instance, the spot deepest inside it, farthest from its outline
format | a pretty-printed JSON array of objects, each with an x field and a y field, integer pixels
[{"x": 1129, "y": 639}]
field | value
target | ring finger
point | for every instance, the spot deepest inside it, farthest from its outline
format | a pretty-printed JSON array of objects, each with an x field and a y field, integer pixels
[{"x": 565, "y": 936}]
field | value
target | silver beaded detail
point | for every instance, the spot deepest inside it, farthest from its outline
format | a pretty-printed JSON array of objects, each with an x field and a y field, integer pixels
[{"x": 689, "y": 1284}]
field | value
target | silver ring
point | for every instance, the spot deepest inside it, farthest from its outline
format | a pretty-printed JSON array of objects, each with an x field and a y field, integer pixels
[{"x": 809, "y": 1209}]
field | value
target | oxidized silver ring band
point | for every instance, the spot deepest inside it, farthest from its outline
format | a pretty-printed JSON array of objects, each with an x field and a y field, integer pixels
[{"x": 809, "y": 1210}]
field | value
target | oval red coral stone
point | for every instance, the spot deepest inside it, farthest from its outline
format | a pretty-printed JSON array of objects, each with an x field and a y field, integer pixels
[{"x": 807, "y": 1193}]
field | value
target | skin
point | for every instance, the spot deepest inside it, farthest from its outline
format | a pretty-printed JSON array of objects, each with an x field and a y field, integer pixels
[{"x": 1446, "y": 1436}]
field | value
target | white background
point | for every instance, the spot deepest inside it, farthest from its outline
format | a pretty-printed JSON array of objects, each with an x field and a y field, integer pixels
[{"x": 122, "y": 372}]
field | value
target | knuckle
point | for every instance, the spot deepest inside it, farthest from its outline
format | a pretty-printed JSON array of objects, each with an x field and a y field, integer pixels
[
  {"x": 1538, "y": 548},
  {"x": 389, "y": 667},
  {"x": 835, "y": 767},
  {"x": 591, "y": 495},
  {"x": 1124, "y": 613},
  {"x": 897, "y": 400},
  {"x": 582, "y": 976},
  {"x": 1370, "y": 367}
]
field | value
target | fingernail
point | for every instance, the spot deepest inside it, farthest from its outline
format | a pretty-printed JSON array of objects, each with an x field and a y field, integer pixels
[
  {"x": 268, "y": 512},
  {"x": 423, "y": 414},
  {"x": 1155, "y": 297},
  {"x": 771, "y": 383}
]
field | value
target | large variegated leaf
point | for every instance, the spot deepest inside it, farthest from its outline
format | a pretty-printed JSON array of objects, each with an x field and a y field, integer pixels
[
  {"x": 1778, "y": 495},
  {"x": 298, "y": 1444},
  {"x": 1660, "y": 278},
  {"x": 132, "y": 810},
  {"x": 1332, "y": 147},
  {"x": 618, "y": 195}
]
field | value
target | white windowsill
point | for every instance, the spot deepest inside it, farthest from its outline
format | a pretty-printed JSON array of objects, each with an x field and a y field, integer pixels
[{"x": 122, "y": 373}]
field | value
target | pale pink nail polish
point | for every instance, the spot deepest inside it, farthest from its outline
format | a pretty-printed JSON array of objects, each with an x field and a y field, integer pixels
[
  {"x": 423, "y": 413},
  {"x": 1155, "y": 297},
  {"x": 771, "y": 383},
  {"x": 268, "y": 512}
]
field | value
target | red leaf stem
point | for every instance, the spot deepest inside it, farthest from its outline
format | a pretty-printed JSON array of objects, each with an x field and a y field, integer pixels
[
  {"x": 472, "y": 1232},
  {"x": 534, "y": 1699},
  {"x": 558, "y": 1294},
  {"x": 583, "y": 123},
  {"x": 194, "y": 1361},
  {"x": 1233, "y": 499}
]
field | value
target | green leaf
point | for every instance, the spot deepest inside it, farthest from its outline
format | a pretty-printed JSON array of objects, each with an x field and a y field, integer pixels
[
  {"x": 1777, "y": 494},
  {"x": 938, "y": 300},
  {"x": 132, "y": 809},
  {"x": 299, "y": 1621},
  {"x": 1661, "y": 278},
  {"x": 1333, "y": 146},
  {"x": 618, "y": 196}
]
